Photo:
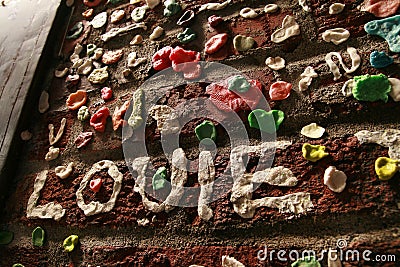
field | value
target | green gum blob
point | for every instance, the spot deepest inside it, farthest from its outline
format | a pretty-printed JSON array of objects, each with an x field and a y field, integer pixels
[
  {"x": 239, "y": 84},
  {"x": 38, "y": 236},
  {"x": 6, "y": 237},
  {"x": 159, "y": 178},
  {"x": 386, "y": 168},
  {"x": 186, "y": 36},
  {"x": 371, "y": 88},
  {"x": 75, "y": 31},
  {"x": 205, "y": 131},
  {"x": 70, "y": 243},
  {"x": 136, "y": 119},
  {"x": 115, "y": 1},
  {"x": 306, "y": 262},
  {"x": 313, "y": 152},
  {"x": 171, "y": 8},
  {"x": 268, "y": 122}
]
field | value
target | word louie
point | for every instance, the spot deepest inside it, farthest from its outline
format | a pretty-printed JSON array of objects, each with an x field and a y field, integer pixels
[{"x": 241, "y": 195}]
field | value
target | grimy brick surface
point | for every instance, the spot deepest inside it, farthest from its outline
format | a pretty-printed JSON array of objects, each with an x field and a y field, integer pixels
[{"x": 366, "y": 214}]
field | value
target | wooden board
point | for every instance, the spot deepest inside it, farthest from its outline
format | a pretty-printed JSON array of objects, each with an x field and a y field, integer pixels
[{"x": 25, "y": 27}]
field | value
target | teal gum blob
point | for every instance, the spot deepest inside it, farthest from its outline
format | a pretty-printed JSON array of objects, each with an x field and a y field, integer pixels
[
  {"x": 380, "y": 60},
  {"x": 389, "y": 29}
]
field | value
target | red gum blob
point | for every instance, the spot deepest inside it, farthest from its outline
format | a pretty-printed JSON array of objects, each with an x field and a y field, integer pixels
[
  {"x": 83, "y": 139},
  {"x": 280, "y": 90},
  {"x": 213, "y": 21},
  {"x": 216, "y": 43},
  {"x": 92, "y": 3},
  {"x": 106, "y": 93},
  {"x": 95, "y": 185},
  {"x": 381, "y": 8},
  {"x": 161, "y": 59},
  {"x": 227, "y": 100},
  {"x": 99, "y": 119},
  {"x": 186, "y": 61},
  {"x": 180, "y": 59},
  {"x": 180, "y": 56},
  {"x": 117, "y": 117}
]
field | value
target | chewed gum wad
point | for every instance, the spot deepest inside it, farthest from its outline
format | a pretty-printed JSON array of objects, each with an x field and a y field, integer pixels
[{"x": 389, "y": 29}]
